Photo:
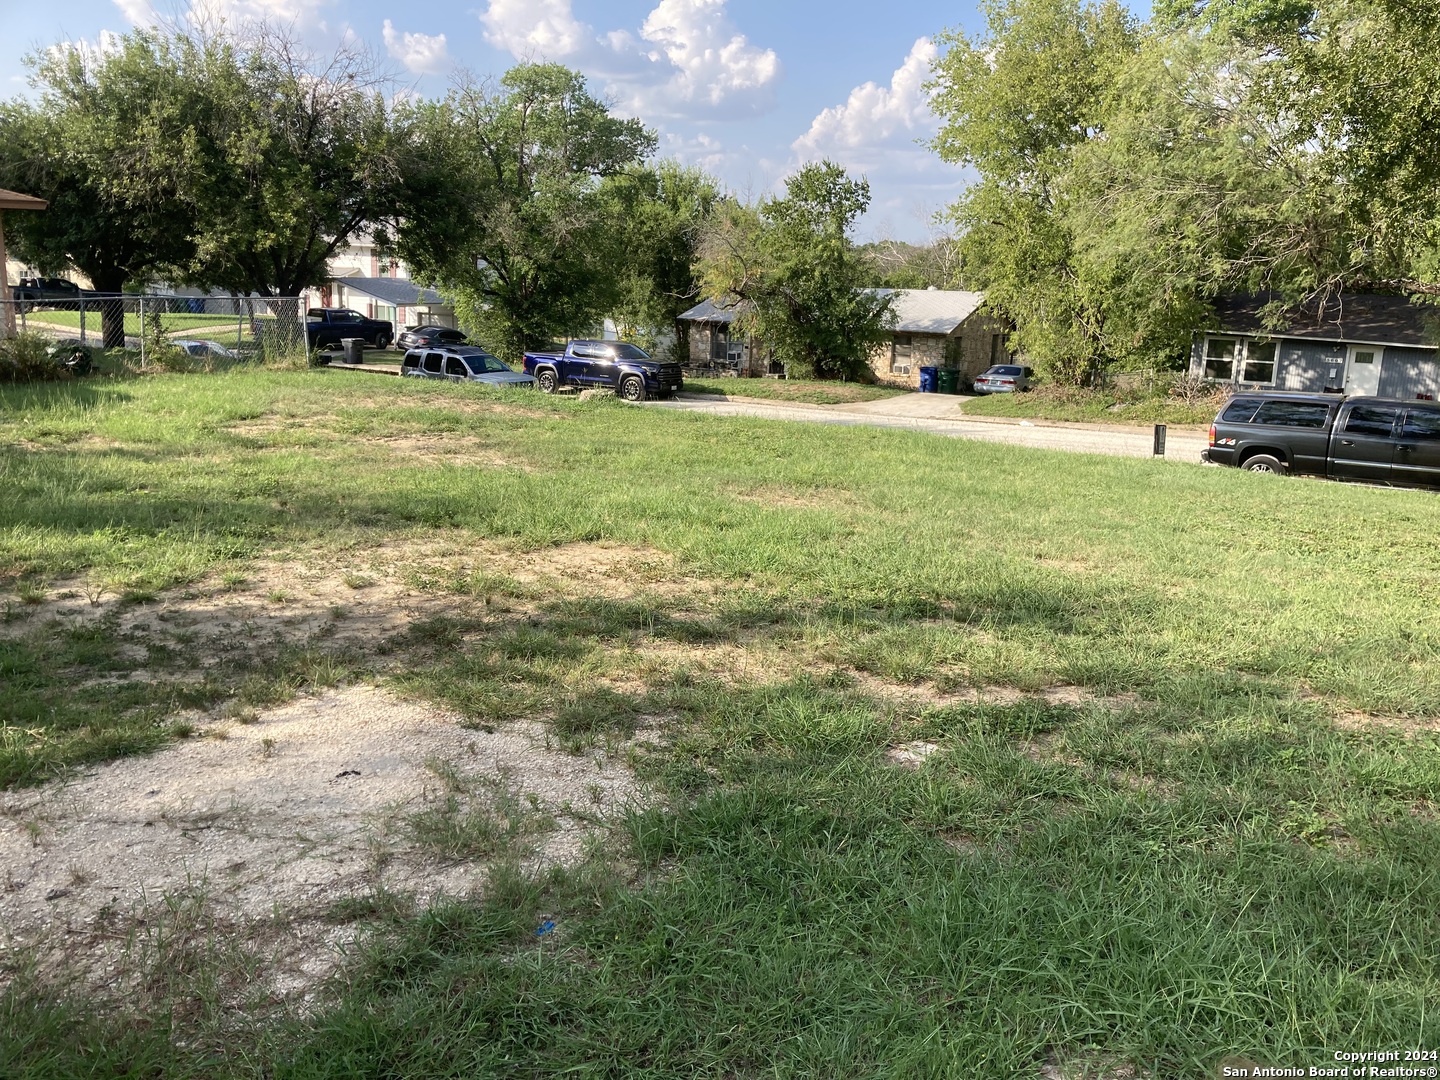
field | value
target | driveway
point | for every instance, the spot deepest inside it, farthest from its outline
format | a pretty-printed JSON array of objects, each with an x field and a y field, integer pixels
[{"x": 939, "y": 414}]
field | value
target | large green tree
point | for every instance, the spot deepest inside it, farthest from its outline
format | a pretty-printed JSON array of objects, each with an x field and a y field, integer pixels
[
  {"x": 505, "y": 205},
  {"x": 792, "y": 266},
  {"x": 110, "y": 143}
]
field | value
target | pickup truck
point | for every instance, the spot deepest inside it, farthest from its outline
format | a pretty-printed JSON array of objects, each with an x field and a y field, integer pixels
[
  {"x": 1354, "y": 438},
  {"x": 33, "y": 291},
  {"x": 626, "y": 369},
  {"x": 329, "y": 326}
]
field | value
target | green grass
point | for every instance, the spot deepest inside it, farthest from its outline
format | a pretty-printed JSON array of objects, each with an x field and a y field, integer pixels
[
  {"x": 812, "y": 391},
  {"x": 1095, "y": 406},
  {"x": 171, "y": 321},
  {"x": 1228, "y": 844}
]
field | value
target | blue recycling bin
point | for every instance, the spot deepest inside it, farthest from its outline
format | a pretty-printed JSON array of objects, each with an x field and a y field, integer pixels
[{"x": 929, "y": 380}]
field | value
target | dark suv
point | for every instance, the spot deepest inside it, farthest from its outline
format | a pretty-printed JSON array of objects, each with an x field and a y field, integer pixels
[{"x": 1358, "y": 438}]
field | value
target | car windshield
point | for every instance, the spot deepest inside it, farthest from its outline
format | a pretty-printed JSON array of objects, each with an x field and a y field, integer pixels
[
  {"x": 624, "y": 351},
  {"x": 485, "y": 364},
  {"x": 1005, "y": 369}
]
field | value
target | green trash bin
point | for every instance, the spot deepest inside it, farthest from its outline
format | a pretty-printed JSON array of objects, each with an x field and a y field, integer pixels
[{"x": 949, "y": 380}]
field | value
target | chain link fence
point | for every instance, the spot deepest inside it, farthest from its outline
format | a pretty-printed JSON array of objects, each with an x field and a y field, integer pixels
[{"x": 156, "y": 327}]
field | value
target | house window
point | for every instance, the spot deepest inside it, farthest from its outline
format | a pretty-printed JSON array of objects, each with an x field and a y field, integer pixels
[
  {"x": 1239, "y": 360},
  {"x": 998, "y": 353},
  {"x": 900, "y": 354},
  {"x": 1220, "y": 358}
]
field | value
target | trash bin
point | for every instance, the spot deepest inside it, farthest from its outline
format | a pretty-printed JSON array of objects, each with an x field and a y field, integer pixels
[
  {"x": 354, "y": 349},
  {"x": 927, "y": 380},
  {"x": 949, "y": 380}
]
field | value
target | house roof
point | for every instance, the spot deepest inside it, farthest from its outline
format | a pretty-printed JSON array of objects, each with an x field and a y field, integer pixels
[
  {"x": 13, "y": 200},
  {"x": 1370, "y": 320},
  {"x": 932, "y": 311},
  {"x": 710, "y": 311},
  {"x": 917, "y": 311},
  {"x": 398, "y": 291}
]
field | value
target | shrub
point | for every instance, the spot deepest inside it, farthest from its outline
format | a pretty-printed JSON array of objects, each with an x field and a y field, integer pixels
[{"x": 26, "y": 358}]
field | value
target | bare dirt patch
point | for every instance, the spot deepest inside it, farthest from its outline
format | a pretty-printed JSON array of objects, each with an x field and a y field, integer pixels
[
  {"x": 315, "y": 802},
  {"x": 1411, "y": 726},
  {"x": 929, "y": 695},
  {"x": 785, "y": 498}
]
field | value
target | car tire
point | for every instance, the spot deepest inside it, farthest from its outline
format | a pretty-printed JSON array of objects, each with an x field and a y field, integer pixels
[
  {"x": 1264, "y": 463},
  {"x": 382, "y": 341},
  {"x": 632, "y": 388},
  {"x": 547, "y": 381}
]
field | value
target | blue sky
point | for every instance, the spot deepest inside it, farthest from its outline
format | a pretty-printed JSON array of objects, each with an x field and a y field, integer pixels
[{"x": 749, "y": 89}]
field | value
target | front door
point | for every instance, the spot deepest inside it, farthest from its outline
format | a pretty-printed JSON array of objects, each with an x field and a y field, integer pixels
[
  {"x": 1364, "y": 442},
  {"x": 1362, "y": 373}
]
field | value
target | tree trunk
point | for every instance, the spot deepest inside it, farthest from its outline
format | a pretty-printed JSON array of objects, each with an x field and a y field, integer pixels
[{"x": 112, "y": 309}]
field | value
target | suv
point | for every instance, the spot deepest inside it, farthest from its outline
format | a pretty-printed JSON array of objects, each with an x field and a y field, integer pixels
[
  {"x": 1359, "y": 438},
  {"x": 461, "y": 363}
]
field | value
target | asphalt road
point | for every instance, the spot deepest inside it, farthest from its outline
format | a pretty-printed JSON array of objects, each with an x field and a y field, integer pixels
[{"x": 940, "y": 415}]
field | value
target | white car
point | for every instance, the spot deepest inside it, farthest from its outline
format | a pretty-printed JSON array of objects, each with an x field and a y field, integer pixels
[{"x": 204, "y": 349}]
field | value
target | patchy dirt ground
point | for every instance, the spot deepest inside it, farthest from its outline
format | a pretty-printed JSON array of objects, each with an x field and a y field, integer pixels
[{"x": 313, "y": 803}]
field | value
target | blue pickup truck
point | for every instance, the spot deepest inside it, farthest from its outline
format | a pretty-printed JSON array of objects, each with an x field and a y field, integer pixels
[
  {"x": 330, "y": 326},
  {"x": 622, "y": 367}
]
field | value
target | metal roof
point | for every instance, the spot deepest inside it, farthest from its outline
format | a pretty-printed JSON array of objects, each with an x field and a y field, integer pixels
[
  {"x": 1369, "y": 320},
  {"x": 917, "y": 311},
  {"x": 398, "y": 291}
]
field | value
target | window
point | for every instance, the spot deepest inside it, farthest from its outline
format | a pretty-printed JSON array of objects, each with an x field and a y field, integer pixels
[
  {"x": 412, "y": 361},
  {"x": 587, "y": 352},
  {"x": 1259, "y": 364},
  {"x": 1371, "y": 420},
  {"x": 432, "y": 363},
  {"x": 485, "y": 364},
  {"x": 1421, "y": 424},
  {"x": 1012, "y": 370},
  {"x": 1239, "y": 411},
  {"x": 454, "y": 367},
  {"x": 901, "y": 353},
  {"x": 625, "y": 351},
  {"x": 346, "y": 315},
  {"x": 1292, "y": 414},
  {"x": 1220, "y": 358},
  {"x": 719, "y": 343}
]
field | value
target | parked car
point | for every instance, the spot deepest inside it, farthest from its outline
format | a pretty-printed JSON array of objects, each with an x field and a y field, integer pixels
[
  {"x": 330, "y": 326},
  {"x": 38, "y": 291},
  {"x": 1359, "y": 438},
  {"x": 626, "y": 368},
  {"x": 1003, "y": 379},
  {"x": 415, "y": 336},
  {"x": 204, "y": 349},
  {"x": 461, "y": 363}
]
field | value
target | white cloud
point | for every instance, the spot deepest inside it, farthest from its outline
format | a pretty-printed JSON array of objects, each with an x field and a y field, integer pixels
[
  {"x": 423, "y": 54},
  {"x": 876, "y": 117},
  {"x": 686, "y": 59},
  {"x": 304, "y": 15},
  {"x": 139, "y": 12}
]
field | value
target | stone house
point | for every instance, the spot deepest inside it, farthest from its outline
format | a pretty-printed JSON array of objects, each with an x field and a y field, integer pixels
[
  {"x": 1383, "y": 346},
  {"x": 712, "y": 343},
  {"x": 938, "y": 328}
]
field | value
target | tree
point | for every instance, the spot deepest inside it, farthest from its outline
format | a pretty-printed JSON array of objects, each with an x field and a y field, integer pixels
[
  {"x": 791, "y": 265},
  {"x": 1015, "y": 105},
  {"x": 504, "y": 205},
  {"x": 110, "y": 144},
  {"x": 896, "y": 264}
]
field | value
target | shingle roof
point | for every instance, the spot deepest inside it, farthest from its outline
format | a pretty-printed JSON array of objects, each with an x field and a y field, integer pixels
[
  {"x": 917, "y": 311},
  {"x": 1372, "y": 320},
  {"x": 13, "y": 200},
  {"x": 397, "y": 291},
  {"x": 932, "y": 311}
]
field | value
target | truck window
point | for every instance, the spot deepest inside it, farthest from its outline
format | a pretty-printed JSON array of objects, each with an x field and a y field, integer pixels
[
  {"x": 1293, "y": 414},
  {"x": 432, "y": 363},
  {"x": 1240, "y": 411},
  {"x": 1421, "y": 424},
  {"x": 1371, "y": 420},
  {"x": 454, "y": 367},
  {"x": 412, "y": 361}
]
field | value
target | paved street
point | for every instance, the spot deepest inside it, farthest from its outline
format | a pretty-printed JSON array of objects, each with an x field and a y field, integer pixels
[{"x": 940, "y": 414}]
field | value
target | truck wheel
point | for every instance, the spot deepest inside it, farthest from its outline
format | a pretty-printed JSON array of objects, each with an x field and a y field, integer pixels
[
  {"x": 545, "y": 379},
  {"x": 632, "y": 388},
  {"x": 1264, "y": 463},
  {"x": 382, "y": 341}
]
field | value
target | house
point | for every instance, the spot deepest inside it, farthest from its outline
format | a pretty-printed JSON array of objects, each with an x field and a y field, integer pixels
[
  {"x": 1360, "y": 345},
  {"x": 379, "y": 288},
  {"x": 938, "y": 328}
]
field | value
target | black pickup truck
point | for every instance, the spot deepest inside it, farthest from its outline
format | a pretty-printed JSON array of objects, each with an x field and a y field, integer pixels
[
  {"x": 1355, "y": 438},
  {"x": 330, "y": 326}
]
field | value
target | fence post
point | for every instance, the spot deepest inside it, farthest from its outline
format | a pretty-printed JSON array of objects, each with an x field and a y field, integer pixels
[
  {"x": 141, "y": 318},
  {"x": 1159, "y": 440},
  {"x": 239, "y": 326},
  {"x": 82, "y": 319}
]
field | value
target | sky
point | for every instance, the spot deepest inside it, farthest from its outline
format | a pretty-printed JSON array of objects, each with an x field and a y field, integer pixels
[{"x": 748, "y": 89}]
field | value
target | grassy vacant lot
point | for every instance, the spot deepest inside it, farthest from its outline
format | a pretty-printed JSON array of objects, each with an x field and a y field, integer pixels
[
  {"x": 173, "y": 322},
  {"x": 1170, "y": 779},
  {"x": 1095, "y": 406},
  {"x": 811, "y": 391}
]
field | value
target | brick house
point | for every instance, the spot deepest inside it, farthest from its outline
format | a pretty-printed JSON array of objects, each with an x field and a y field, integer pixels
[{"x": 938, "y": 328}]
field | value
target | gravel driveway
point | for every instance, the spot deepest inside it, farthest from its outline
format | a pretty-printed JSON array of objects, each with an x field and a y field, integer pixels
[{"x": 940, "y": 415}]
